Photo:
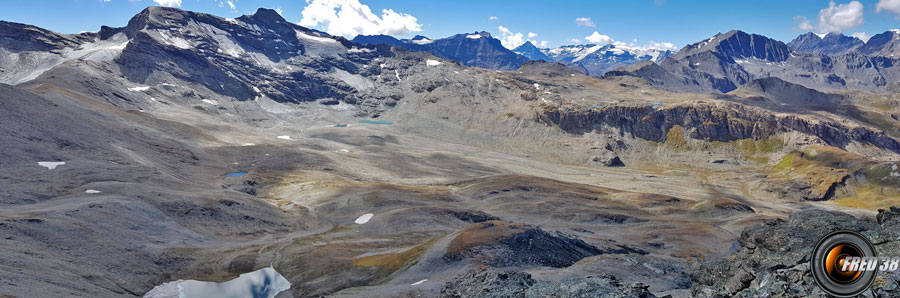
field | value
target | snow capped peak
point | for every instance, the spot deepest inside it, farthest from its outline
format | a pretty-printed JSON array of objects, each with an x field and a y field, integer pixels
[{"x": 820, "y": 35}]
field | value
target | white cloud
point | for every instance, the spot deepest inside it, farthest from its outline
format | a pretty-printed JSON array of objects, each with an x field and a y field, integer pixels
[
  {"x": 861, "y": 35},
  {"x": 889, "y": 5},
  {"x": 598, "y": 38},
  {"x": 168, "y": 3},
  {"x": 231, "y": 4},
  {"x": 509, "y": 39},
  {"x": 493, "y": 18},
  {"x": 574, "y": 40},
  {"x": 512, "y": 40},
  {"x": 279, "y": 11},
  {"x": 584, "y": 22},
  {"x": 837, "y": 18},
  {"x": 802, "y": 24},
  {"x": 350, "y": 18},
  {"x": 662, "y": 46}
]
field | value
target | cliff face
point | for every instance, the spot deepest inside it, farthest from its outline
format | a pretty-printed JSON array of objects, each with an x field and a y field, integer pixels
[{"x": 711, "y": 122}]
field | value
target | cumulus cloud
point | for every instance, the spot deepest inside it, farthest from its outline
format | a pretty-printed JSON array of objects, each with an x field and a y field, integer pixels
[
  {"x": 584, "y": 22},
  {"x": 889, "y": 5},
  {"x": 509, "y": 39},
  {"x": 493, "y": 18},
  {"x": 861, "y": 35},
  {"x": 598, "y": 38},
  {"x": 350, "y": 18},
  {"x": 168, "y": 3},
  {"x": 837, "y": 18},
  {"x": 801, "y": 23},
  {"x": 512, "y": 40}
]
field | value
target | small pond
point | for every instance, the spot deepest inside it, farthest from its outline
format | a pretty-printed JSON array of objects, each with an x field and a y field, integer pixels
[
  {"x": 236, "y": 174},
  {"x": 381, "y": 122}
]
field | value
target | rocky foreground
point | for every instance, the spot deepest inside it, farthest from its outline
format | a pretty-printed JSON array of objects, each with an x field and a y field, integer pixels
[{"x": 771, "y": 261}]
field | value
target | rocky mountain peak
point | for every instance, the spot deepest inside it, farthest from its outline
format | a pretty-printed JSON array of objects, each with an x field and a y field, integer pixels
[
  {"x": 267, "y": 15},
  {"x": 883, "y": 44},
  {"x": 739, "y": 44}
]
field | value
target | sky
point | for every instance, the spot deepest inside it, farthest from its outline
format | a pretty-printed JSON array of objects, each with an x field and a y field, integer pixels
[{"x": 642, "y": 23}]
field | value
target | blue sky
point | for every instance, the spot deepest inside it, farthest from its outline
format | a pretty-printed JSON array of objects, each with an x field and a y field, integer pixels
[{"x": 673, "y": 21}]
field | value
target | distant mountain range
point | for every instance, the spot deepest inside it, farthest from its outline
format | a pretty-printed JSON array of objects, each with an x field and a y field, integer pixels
[
  {"x": 727, "y": 61},
  {"x": 481, "y": 50},
  {"x": 477, "y": 49}
]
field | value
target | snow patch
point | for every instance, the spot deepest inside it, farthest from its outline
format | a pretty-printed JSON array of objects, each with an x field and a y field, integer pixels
[
  {"x": 364, "y": 218},
  {"x": 312, "y": 38},
  {"x": 212, "y": 102},
  {"x": 51, "y": 164},
  {"x": 474, "y": 36},
  {"x": 139, "y": 88},
  {"x": 92, "y": 191},
  {"x": 422, "y": 41},
  {"x": 431, "y": 62},
  {"x": 537, "y": 86},
  {"x": 419, "y": 282},
  {"x": 397, "y": 74},
  {"x": 284, "y": 137},
  {"x": 359, "y": 50}
]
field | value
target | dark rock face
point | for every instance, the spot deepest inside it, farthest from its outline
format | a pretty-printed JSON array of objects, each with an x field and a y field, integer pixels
[
  {"x": 713, "y": 122},
  {"x": 773, "y": 260},
  {"x": 831, "y": 44},
  {"x": 530, "y": 51},
  {"x": 505, "y": 244},
  {"x": 492, "y": 283}
]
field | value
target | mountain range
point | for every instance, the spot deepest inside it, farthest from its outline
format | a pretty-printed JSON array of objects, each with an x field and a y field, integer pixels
[
  {"x": 726, "y": 61},
  {"x": 187, "y": 150}
]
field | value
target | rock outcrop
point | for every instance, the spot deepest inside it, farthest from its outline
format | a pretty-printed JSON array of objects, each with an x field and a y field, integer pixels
[
  {"x": 773, "y": 258},
  {"x": 492, "y": 283},
  {"x": 711, "y": 122}
]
